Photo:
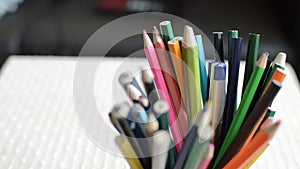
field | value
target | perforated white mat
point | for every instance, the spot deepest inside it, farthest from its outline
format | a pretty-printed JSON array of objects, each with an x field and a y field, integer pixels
[{"x": 40, "y": 128}]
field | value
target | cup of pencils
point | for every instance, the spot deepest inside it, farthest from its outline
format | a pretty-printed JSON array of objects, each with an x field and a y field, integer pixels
[{"x": 185, "y": 113}]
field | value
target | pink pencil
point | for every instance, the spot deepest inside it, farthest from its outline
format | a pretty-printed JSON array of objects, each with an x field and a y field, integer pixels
[
  {"x": 169, "y": 76},
  {"x": 161, "y": 85},
  {"x": 208, "y": 157}
]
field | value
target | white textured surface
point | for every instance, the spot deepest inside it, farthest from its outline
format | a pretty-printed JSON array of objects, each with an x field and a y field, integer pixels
[{"x": 39, "y": 126}]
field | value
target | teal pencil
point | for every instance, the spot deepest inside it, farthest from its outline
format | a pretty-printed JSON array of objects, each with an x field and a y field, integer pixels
[
  {"x": 167, "y": 32},
  {"x": 202, "y": 64}
]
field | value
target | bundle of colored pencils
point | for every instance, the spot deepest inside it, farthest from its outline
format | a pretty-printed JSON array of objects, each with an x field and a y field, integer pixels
[{"x": 187, "y": 114}]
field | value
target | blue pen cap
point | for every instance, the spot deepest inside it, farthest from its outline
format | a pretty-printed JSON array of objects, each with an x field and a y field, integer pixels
[
  {"x": 220, "y": 72},
  {"x": 210, "y": 63}
]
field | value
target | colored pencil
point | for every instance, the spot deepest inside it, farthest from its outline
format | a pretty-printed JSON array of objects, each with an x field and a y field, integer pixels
[
  {"x": 149, "y": 84},
  {"x": 192, "y": 72},
  {"x": 249, "y": 125},
  {"x": 136, "y": 96},
  {"x": 256, "y": 156},
  {"x": 188, "y": 142},
  {"x": 161, "y": 109},
  {"x": 124, "y": 111},
  {"x": 175, "y": 50},
  {"x": 258, "y": 143},
  {"x": 251, "y": 57},
  {"x": 244, "y": 105},
  {"x": 152, "y": 125},
  {"x": 127, "y": 78},
  {"x": 218, "y": 101},
  {"x": 202, "y": 120},
  {"x": 160, "y": 145},
  {"x": 260, "y": 87},
  {"x": 139, "y": 113},
  {"x": 209, "y": 78},
  {"x": 167, "y": 31},
  {"x": 170, "y": 80},
  {"x": 172, "y": 156},
  {"x": 128, "y": 152},
  {"x": 134, "y": 142},
  {"x": 161, "y": 85},
  {"x": 199, "y": 147},
  {"x": 218, "y": 44},
  {"x": 202, "y": 64},
  {"x": 207, "y": 157},
  {"x": 279, "y": 62},
  {"x": 268, "y": 117},
  {"x": 231, "y": 97},
  {"x": 278, "y": 75},
  {"x": 231, "y": 35}
]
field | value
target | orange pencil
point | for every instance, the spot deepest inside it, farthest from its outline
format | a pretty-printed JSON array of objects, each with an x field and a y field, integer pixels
[
  {"x": 256, "y": 156},
  {"x": 171, "y": 83},
  {"x": 278, "y": 75},
  {"x": 244, "y": 157},
  {"x": 256, "y": 127},
  {"x": 174, "y": 47}
]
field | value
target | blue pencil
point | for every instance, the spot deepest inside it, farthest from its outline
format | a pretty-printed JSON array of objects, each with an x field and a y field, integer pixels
[{"x": 231, "y": 97}]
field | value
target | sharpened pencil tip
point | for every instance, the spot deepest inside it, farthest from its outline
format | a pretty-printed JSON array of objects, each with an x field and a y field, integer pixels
[
  {"x": 278, "y": 123},
  {"x": 147, "y": 76},
  {"x": 189, "y": 37},
  {"x": 133, "y": 92},
  {"x": 147, "y": 40},
  {"x": 156, "y": 35},
  {"x": 262, "y": 61},
  {"x": 155, "y": 30},
  {"x": 271, "y": 129},
  {"x": 280, "y": 59},
  {"x": 210, "y": 151}
]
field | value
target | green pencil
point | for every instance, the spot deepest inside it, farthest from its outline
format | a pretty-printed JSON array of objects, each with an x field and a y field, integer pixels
[
  {"x": 251, "y": 58},
  {"x": 167, "y": 32},
  {"x": 192, "y": 72},
  {"x": 244, "y": 105},
  {"x": 199, "y": 147},
  {"x": 161, "y": 109}
]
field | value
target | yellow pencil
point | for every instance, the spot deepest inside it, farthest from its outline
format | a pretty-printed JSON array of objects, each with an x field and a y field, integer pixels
[
  {"x": 256, "y": 157},
  {"x": 128, "y": 152}
]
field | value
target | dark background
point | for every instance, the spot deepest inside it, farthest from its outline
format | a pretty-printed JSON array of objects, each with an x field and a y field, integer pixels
[{"x": 61, "y": 27}]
